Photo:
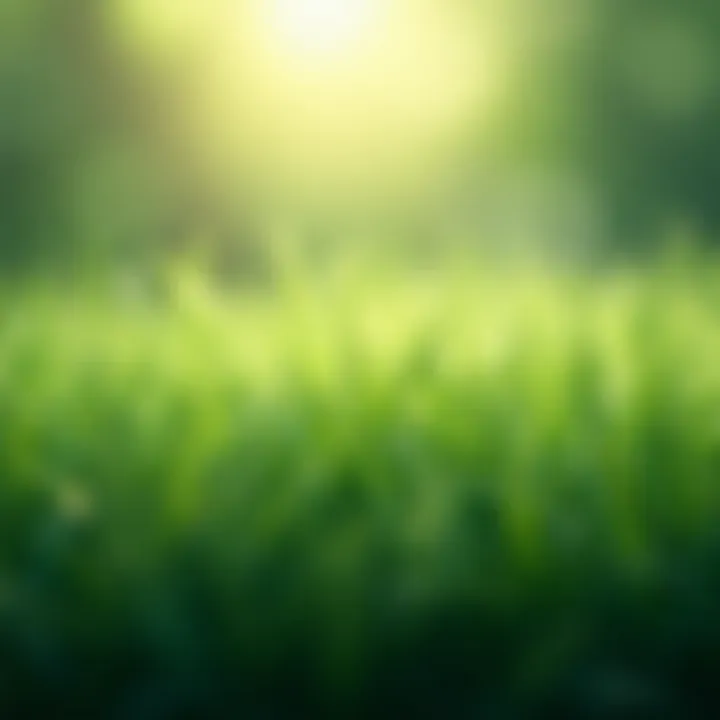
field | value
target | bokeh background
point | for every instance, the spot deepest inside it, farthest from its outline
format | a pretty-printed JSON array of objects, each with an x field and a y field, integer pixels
[
  {"x": 359, "y": 357},
  {"x": 129, "y": 120}
]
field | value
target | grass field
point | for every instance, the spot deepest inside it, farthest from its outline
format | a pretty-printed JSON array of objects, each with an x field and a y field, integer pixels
[{"x": 433, "y": 494}]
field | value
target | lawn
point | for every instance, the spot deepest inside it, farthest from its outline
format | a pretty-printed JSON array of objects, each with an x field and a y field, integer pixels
[{"x": 435, "y": 493}]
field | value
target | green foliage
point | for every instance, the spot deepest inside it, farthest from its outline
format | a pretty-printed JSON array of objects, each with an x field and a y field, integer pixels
[{"x": 458, "y": 495}]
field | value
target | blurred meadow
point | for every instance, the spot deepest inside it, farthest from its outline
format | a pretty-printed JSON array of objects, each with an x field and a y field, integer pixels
[{"x": 359, "y": 358}]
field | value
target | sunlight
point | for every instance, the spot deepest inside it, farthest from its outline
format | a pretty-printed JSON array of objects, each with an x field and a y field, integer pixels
[
  {"x": 353, "y": 98},
  {"x": 321, "y": 26},
  {"x": 333, "y": 103}
]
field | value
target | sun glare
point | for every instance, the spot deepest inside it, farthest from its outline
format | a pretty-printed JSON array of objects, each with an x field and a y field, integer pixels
[
  {"x": 321, "y": 26},
  {"x": 351, "y": 97},
  {"x": 325, "y": 98}
]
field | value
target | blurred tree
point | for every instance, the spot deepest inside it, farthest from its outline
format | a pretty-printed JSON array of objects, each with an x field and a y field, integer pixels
[
  {"x": 648, "y": 78},
  {"x": 60, "y": 103}
]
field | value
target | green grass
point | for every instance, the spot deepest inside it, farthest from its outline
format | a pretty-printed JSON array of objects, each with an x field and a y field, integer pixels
[{"x": 450, "y": 494}]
